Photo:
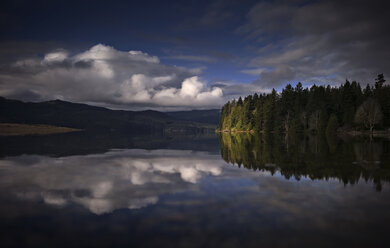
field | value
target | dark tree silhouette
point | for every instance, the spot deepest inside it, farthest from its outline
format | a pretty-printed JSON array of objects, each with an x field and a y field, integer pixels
[{"x": 298, "y": 109}]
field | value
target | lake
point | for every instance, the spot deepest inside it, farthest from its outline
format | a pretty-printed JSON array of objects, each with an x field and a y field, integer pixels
[{"x": 86, "y": 190}]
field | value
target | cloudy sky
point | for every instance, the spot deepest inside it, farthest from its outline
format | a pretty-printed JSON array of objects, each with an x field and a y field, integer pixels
[{"x": 171, "y": 55}]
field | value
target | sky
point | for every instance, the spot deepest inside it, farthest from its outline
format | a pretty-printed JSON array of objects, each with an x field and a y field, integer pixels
[{"x": 182, "y": 55}]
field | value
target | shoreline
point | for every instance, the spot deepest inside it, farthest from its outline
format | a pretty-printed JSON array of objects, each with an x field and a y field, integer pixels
[
  {"x": 18, "y": 129},
  {"x": 353, "y": 133}
]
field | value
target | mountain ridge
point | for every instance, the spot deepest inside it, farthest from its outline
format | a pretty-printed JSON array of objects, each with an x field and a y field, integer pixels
[{"x": 94, "y": 118}]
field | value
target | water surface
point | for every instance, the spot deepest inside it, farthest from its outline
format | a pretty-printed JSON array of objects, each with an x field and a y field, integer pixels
[{"x": 227, "y": 191}]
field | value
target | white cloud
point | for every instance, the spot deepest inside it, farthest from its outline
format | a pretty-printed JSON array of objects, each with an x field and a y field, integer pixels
[
  {"x": 103, "y": 52},
  {"x": 55, "y": 56},
  {"x": 191, "y": 87},
  {"x": 193, "y": 92},
  {"x": 52, "y": 199},
  {"x": 105, "y": 76}
]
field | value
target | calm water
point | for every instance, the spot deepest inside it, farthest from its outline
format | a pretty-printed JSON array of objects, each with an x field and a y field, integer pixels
[{"x": 229, "y": 191}]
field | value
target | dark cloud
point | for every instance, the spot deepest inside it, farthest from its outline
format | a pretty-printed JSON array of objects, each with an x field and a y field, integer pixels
[
  {"x": 217, "y": 13},
  {"x": 320, "y": 41},
  {"x": 280, "y": 75},
  {"x": 16, "y": 49},
  {"x": 193, "y": 58},
  {"x": 222, "y": 55},
  {"x": 209, "y": 14},
  {"x": 233, "y": 90},
  {"x": 25, "y": 94}
]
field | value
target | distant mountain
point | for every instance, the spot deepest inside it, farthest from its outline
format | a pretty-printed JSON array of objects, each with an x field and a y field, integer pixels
[
  {"x": 209, "y": 116},
  {"x": 91, "y": 118}
]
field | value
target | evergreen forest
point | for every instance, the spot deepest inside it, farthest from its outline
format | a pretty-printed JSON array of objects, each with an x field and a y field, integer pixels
[{"x": 318, "y": 109}]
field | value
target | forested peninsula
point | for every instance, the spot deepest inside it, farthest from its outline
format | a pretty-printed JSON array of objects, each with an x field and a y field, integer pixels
[{"x": 317, "y": 109}]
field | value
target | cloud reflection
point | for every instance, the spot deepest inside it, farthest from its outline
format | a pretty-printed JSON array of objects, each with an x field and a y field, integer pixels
[{"x": 106, "y": 182}]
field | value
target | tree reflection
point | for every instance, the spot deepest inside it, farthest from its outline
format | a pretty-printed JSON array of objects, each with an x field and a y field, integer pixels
[{"x": 314, "y": 157}]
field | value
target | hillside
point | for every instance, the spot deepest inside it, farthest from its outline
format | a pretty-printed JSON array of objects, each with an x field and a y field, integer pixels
[
  {"x": 91, "y": 118},
  {"x": 208, "y": 116}
]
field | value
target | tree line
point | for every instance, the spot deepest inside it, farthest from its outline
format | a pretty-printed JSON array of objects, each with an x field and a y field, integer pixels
[
  {"x": 310, "y": 156},
  {"x": 316, "y": 109}
]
